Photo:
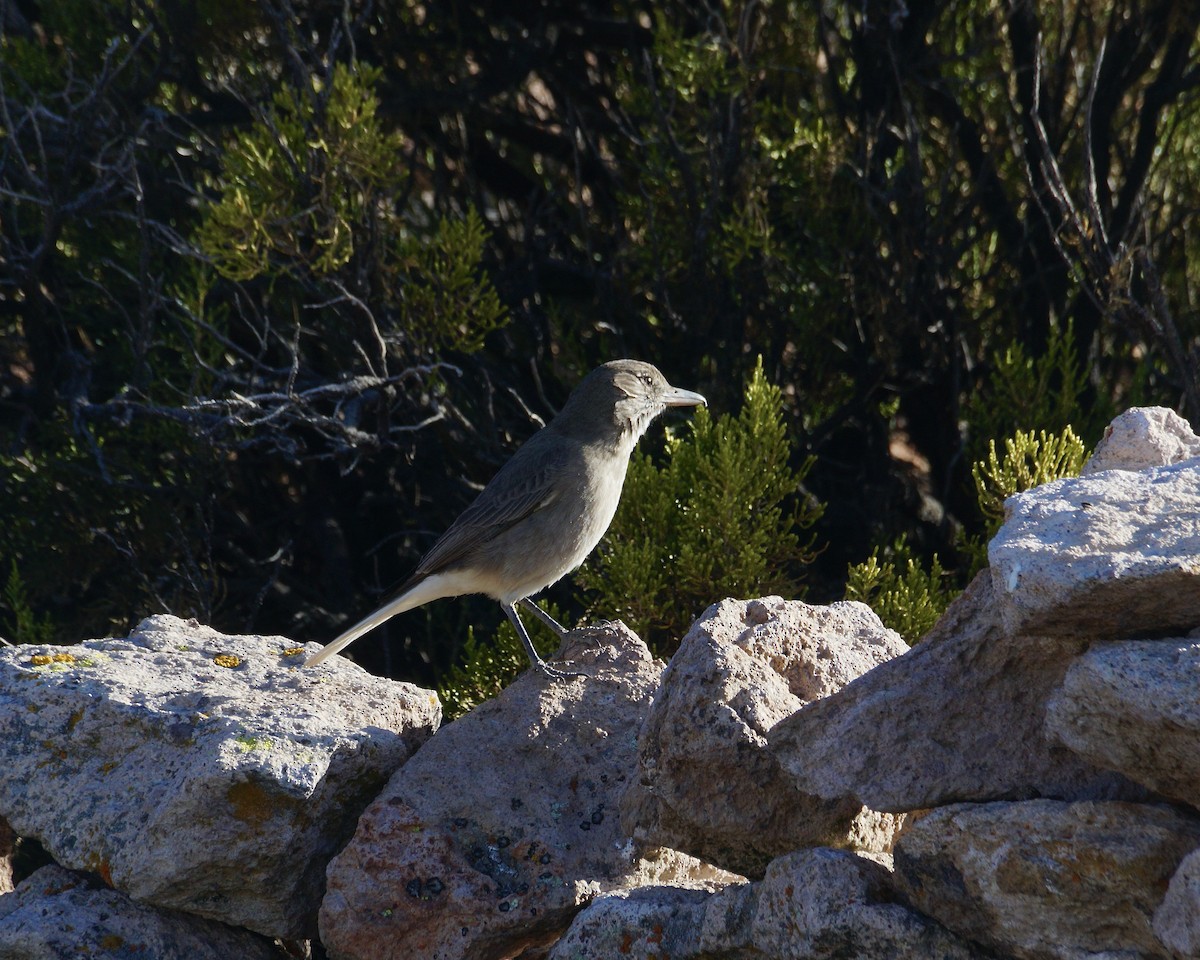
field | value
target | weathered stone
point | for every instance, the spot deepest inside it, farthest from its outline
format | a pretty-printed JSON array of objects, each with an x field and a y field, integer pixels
[
  {"x": 1109, "y": 556},
  {"x": 492, "y": 837},
  {"x": 1144, "y": 437},
  {"x": 1044, "y": 879},
  {"x": 958, "y": 717},
  {"x": 816, "y": 904},
  {"x": 8, "y": 841},
  {"x": 708, "y": 784},
  {"x": 56, "y": 914},
  {"x": 199, "y": 771},
  {"x": 1177, "y": 919},
  {"x": 1134, "y": 706}
]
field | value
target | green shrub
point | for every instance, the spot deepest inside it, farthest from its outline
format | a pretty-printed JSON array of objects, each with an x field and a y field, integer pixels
[
  {"x": 722, "y": 517},
  {"x": 905, "y": 596},
  {"x": 1029, "y": 460},
  {"x": 26, "y": 626}
]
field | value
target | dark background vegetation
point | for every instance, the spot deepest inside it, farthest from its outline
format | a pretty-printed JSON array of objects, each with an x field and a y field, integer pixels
[{"x": 282, "y": 284}]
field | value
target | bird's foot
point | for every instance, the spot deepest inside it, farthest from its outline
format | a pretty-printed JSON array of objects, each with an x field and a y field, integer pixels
[{"x": 554, "y": 673}]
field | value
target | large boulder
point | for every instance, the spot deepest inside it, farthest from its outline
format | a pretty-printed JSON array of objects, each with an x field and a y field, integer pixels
[
  {"x": 199, "y": 771},
  {"x": 816, "y": 904},
  {"x": 1144, "y": 437},
  {"x": 1045, "y": 880},
  {"x": 1134, "y": 706},
  {"x": 958, "y": 717},
  {"x": 1111, "y": 555},
  {"x": 55, "y": 914},
  {"x": 495, "y": 834},
  {"x": 707, "y": 782}
]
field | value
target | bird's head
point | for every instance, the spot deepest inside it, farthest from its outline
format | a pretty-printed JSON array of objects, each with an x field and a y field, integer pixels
[{"x": 622, "y": 397}]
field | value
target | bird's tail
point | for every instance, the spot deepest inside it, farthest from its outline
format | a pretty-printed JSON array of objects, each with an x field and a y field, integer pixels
[{"x": 430, "y": 588}]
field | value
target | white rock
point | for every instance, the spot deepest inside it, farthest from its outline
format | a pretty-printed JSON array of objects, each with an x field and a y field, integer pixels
[
  {"x": 1177, "y": 920},
  {"x": 1108, "y": 556},
  {"x": 505, "y": 823},
  {"x": 708, "y": 784},
  {"x": 1134, "y": 706},
  {"x": 816, "y": 904},
  {"x": 55, "y": 914},
  {"x": 199, "y": 771},
  {"x": 1144, "y": 437}
]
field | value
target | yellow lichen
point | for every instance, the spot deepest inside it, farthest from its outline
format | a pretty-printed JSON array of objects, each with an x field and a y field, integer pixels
[
  {"x": 41, "y": 659},
  {"x": 227, "y": 660},
  {"x": 292, "y": 651}
]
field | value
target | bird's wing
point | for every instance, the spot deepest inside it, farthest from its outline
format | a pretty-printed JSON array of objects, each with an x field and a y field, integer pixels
[{"x": 529, "y": 482}]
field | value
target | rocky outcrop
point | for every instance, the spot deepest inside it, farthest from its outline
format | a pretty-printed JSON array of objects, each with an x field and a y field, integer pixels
[
  {"x": 1040, "y": 741},
  {"x": 495, "y": 834},
  {"x": 814, "y": 904},
  {"x": 198, "y": 771},
  {"x": 1132, "y": 706},
  {"x": 1046, "y": 880},
  {"x": 57, "y": 913},
  {"x": 707, "y": 782}
]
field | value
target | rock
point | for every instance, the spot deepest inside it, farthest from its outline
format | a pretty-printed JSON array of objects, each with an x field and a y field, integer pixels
[
  {"x": 199, "y": 771},
  {"x": 55, "y": 914},
  {"x": 708, "y": 784},
  {"x": 8, "y": 841},
  {"x": 1134, "y": 706},
  {"x": 816, "y": 904},
  {"x": 1108, "y": 556},
  {"x": 490, "y": 839},
  {"x": 1144, "y": 437},
  {"x": 958, "y": 717},
  {"x": 1044, "y": 879},
  {"x": 1177, "y": 920}
]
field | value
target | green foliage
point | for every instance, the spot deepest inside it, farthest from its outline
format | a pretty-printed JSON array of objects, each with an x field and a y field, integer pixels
[
  {"x": 1024, "y": 392},
  {"x": 714, "y": 521},
  {"x": 484, "y": 669},
  {"x": 907, "y": 598},
  {"x": 306, "y": 193},
  {"x": 26, "y": 626},
  {"x": 1029, "y": 460},
  {"x": 298, "y": 187}
]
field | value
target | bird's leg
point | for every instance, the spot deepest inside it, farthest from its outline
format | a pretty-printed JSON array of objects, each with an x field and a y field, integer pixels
[
  {"x": 545, "y": 617},
  {"x": 553, "y": 672}
]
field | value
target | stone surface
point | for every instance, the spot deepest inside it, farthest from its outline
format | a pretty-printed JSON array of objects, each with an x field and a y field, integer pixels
[
  {"x": 55, "y": 914},
  {"x": 1144, "y": 437},
  {"x": 1109, "y": 556},
  {"x": 816, "y": 904},
  {"x": 8, "y": 841},
  {"x": 1134, "y": 706},
  {"x": 707, "y": 782},
  {"x": 199, "y": 771},
  {"x": 1177, "y": 919},
  {"x": 1045, "y": 879},
  {"x": 958, "y": 717},
  {"x": 491, "y": 838}
]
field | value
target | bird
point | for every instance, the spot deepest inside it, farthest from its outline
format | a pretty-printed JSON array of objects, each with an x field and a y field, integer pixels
[{"x": 545, "y": 510}]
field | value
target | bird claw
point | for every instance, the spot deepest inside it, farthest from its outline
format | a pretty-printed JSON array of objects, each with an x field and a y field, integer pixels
[{"x": 554, "y": 673}]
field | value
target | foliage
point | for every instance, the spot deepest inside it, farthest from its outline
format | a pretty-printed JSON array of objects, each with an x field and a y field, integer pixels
[
  {"x": 907, "y": 598},
  {"x": 722, "y": 517},
  {"x": 26, "y": 626},
  {"x": 484, "y": 668},
  {"x": 284, "y": 283},
  {"x": 1029, "y": 460},
  {"x": 1022, "y": 392}
]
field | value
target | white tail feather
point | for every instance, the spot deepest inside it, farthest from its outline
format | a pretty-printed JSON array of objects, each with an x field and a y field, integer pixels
[{"x": 431, "y": 588}]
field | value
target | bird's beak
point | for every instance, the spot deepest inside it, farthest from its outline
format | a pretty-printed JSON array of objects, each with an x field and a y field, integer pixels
[{"x": 674, "y": 397}]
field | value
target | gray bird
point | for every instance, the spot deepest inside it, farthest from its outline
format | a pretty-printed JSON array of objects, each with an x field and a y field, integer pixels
[{"x": 547, "y": 508}]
